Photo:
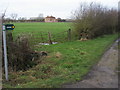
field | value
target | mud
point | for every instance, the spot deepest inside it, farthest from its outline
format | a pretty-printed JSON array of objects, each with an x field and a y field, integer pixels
[{"x": 104, "y": 74}]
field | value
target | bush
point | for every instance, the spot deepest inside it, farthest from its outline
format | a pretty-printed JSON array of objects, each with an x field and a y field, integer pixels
[
  {"x": 20, "y": 55},
  {"x": 95, "y": 20}
]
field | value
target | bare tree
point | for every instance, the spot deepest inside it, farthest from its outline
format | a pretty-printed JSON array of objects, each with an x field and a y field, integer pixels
[
  {"x": 14, "y": 16},
  {"x": 40, "y": 16},
  {"x": 22, "y": 19},
  {"x": 94, "y": 20}
]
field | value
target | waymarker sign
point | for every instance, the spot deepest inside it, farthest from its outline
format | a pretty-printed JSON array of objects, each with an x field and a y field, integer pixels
[
  {"x": 6, "y": 27},
  {"x": 9, "y": 26}
]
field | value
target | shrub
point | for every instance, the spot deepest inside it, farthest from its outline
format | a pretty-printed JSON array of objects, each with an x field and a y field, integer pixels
[
  {"x": 95, "y": 20},
  {"x": 20, "y": 55}
]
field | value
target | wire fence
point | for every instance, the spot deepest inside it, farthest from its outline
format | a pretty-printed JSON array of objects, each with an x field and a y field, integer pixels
[{"x": 41, "y": 37}]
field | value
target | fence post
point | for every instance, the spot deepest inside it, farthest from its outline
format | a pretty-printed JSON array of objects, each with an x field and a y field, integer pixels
[
  {"x": 69, "y": 34},
  {"x": 42, "y": 38},
  {"x": 49, "y": 37}
]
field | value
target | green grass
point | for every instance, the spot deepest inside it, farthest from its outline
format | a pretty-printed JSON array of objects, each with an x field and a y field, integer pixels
[
  {"x": 66, "y": 62},
  {"x": 39, "y": 31},
  {"x": 44, "y": 27}
]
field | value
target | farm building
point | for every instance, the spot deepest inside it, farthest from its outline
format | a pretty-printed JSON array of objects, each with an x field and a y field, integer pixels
[{"x": 50, "y": 19}]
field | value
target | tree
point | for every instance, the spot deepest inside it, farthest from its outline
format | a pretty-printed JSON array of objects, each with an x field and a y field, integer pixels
[
  {"x": 22, "y": 19},
  {"x": 7, "y": 20},
  {"x": 40, "y": 16},
  {"x": 95, "y": 20},
  {"x": 13, "y": 16}
]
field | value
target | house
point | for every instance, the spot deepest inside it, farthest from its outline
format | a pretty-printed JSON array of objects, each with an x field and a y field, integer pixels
[{"x": 50, "y": 19}]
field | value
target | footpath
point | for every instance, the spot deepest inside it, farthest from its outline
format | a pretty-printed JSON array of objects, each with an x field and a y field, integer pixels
[{"x": 104, "y": 74}]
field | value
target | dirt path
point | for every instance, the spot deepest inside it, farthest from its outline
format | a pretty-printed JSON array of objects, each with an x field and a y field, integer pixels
[{"x": 104, "y": 74}]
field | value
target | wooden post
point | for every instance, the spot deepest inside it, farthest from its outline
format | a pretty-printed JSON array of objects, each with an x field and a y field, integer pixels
[
  {"x": 49, "y": 37},
  {"x": 69, "y": 34},
  {"x": 0, "y": 52},
  {"x": 42, "y": 38}
]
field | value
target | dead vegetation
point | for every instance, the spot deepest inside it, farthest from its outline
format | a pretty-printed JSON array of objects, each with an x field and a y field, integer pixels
[
  {"x": 58, "y": 55},
  {"x": 20, "y": 55}
]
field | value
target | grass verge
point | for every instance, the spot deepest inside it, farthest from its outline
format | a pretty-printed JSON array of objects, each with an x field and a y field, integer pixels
[{"x": 66, "y": 62}]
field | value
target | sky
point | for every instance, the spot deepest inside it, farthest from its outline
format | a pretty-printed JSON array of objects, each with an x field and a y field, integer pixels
[{"x": 58, "y": 8}]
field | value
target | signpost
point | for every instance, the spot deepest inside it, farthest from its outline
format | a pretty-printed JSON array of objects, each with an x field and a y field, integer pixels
[
  {"x": 9, "y": 26},
  {"x": 0, "y": 52},
  {"x": 4, "y": 28}
]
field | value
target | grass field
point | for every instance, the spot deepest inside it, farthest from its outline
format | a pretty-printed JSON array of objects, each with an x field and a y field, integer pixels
[
  {"x": 66, "y": 62},
  {"x": 39, "y": 26},
  {"x": 57, "y": 30}
]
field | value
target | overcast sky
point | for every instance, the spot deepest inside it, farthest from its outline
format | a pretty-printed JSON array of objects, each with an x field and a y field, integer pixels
[{"x": 57, "y": 8}]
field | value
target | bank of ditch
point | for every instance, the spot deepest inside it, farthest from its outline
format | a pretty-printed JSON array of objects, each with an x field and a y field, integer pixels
[{"x": 65, "y": 62}]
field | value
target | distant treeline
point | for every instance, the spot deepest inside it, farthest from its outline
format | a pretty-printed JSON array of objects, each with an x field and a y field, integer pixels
[{"x": 7, "y": 20}]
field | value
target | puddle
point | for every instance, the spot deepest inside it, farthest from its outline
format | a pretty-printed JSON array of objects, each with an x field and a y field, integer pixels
[
  {"x": 118, "y": 40},
  {"x": 48, "y": 43}
]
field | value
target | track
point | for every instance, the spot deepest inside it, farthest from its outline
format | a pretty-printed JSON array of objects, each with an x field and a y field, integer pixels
[{"x": 104, "y": 74}]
